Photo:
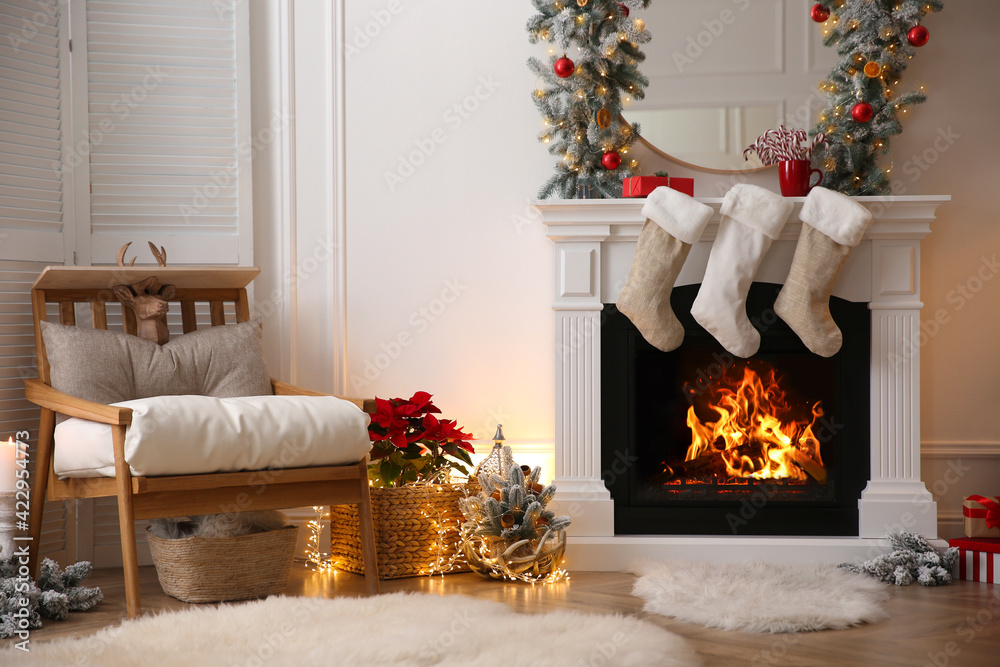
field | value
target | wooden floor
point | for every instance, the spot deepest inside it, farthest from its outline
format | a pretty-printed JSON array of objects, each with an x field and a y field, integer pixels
[{"x": 955, "y": 625}]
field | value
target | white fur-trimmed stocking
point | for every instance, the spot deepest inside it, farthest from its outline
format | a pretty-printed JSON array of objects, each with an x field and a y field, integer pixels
[
  {"x": 674, "y": 221},
  {"x": 752, "y": 218},
  {"x": 833, "y": 225}
]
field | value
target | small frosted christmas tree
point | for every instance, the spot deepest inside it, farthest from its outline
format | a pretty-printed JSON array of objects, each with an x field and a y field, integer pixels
[
  {"x": 875, "y": 40},
  {"x": 582, "y": 91},
  {"x": 508, "y": 532}
]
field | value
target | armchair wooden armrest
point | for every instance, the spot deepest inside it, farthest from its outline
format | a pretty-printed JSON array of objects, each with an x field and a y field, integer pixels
[
  {"x": 45, "y": 396},
  {"x": 285, "y": 389}
]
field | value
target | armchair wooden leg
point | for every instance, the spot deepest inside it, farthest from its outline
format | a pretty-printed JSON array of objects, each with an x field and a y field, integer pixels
[
  {"x": 369, "y": 553},
  {"x": 126, "y": 524},
  {"x": 39, "y": 486}
]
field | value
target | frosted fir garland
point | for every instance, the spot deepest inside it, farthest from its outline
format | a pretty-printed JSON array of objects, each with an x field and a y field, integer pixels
[
  {"x": 912, "y": 559},
  {"x": 53, "y": 595},
  {"x": 875, "y": 40},
  {"x": 581, "y": 112}
]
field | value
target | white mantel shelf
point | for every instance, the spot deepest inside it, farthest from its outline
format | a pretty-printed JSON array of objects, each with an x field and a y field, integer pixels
[
  {"x": 594, "y": 243},
  {"x": 621, "y": 219}
]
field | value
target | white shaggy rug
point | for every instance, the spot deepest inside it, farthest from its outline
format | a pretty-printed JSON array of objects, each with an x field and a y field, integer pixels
[
  {"x": 401, "y": 630},
  {"x": 760, "y": 597}
]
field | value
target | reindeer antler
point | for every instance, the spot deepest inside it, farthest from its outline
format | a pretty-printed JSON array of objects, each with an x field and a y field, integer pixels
[
  {"x": 121, "y": 255},
  {"x": 160, "y": 255}
]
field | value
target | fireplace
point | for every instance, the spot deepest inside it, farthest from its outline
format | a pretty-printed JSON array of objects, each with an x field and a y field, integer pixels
[
  {"x": 773, "y": 445},
  {"x": 594, "y": 242}
]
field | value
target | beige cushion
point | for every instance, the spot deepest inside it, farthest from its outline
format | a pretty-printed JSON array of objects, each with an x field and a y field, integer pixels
[
  {"x": 184, "y": 435},
  {"x": 111, "y": 366}
]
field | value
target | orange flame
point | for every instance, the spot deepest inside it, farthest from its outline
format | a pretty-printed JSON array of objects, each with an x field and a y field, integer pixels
[{"x": 755, "y": 433}]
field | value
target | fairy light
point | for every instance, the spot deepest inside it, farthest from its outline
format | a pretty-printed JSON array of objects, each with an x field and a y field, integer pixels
[
  {"x": 316, "y": 559},
  {"x": 445, "y": 553}
]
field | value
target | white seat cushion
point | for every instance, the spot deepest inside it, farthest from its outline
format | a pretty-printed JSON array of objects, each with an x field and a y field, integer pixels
[{"x": 186, "y": 435}]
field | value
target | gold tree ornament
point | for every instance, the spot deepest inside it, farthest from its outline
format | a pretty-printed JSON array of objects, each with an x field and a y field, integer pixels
[{"x": 582, "y": 3}]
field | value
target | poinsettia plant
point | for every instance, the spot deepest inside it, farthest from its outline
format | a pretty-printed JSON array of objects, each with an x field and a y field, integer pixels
[{"x": 410, "y": 444}]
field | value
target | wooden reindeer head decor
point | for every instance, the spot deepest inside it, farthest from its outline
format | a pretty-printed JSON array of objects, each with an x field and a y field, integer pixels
[{"x": 147, "y": 299}]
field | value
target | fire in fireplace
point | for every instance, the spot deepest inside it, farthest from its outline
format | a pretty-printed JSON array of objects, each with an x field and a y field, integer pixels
[
  {"x": 756, "y": 431},
  {"x": 776, "y": 444}
]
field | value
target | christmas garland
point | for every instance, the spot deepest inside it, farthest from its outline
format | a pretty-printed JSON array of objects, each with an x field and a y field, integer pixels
[
  {"x": 582, "y": 91},
  {"x": 875, "y": 40}
]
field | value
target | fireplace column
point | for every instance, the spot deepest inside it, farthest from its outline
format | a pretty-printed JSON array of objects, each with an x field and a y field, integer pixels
[
  {"x": 578, "y": 307},
  {"x": 896, "y": 498}
]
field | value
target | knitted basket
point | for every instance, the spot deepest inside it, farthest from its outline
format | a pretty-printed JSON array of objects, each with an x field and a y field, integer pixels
[
  {"x": 216, "y": 569},
  {"x": 417, "y": 531}
]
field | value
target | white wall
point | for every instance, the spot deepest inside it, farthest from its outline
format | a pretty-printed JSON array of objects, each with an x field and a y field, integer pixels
[
  {"x": 448, "y": 279},
  {"x": 448, "y": 284}
]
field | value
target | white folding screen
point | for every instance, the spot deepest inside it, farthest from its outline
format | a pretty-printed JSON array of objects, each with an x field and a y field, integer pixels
[
  {"x": 168, "y": 122},
  {"x": 119, "y": 121},
  {"x": 33, "y": 92}
]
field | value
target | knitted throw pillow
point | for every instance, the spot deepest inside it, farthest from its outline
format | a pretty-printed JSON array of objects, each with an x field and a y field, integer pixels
[{"x": 111, "y": 366}]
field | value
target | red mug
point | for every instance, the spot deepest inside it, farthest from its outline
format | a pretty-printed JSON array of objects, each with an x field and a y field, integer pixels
[{"x": 794, "y": 177}]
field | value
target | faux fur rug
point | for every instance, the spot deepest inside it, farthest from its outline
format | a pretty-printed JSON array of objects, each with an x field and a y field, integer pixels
[
  {"x": 760, "y": 597},
  {"x": 401, "y": 630}
]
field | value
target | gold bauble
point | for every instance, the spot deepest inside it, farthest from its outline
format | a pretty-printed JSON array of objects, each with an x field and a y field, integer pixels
[{"x": 582, "y": 3}]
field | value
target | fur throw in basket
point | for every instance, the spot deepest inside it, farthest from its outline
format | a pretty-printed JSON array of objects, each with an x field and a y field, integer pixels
[{"x": 217, "y": 525}]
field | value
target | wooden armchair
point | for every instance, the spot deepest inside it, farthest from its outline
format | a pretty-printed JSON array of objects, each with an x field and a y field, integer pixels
[{"x": 153, "y": 497}]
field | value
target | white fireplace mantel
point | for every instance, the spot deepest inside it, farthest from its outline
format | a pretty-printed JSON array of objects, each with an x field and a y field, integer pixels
[{"x": 594, "y": 243}]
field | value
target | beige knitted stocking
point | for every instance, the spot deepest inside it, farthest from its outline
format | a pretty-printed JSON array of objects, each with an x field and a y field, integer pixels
[
  {"x": 674, "y": 221},
  {"x": 833, "y": 225},
  {"x": 645, "y": 299}
]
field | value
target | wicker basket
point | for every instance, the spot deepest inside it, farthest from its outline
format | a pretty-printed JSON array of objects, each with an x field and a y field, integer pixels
[
  {"x": 216, "y": 569},
  {"x": 407, "y": 544}
]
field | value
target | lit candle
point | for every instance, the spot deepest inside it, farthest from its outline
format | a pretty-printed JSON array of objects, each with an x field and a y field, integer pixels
[{"x": 8, "y": 465}]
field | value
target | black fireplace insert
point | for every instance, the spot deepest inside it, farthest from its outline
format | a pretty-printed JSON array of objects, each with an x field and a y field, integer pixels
[{"x": 699, "y": 442}]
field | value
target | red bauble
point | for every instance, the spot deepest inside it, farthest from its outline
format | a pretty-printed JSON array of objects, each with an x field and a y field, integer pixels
[
  {"x": 623, "y": 9},
  {"x": 564, "y": 67},
  {"x": 862, "y": 112},
  {"x": 611, "y": 160},
  {"x": 819, "y": 13},
  {"x": 918, "y": 35}
]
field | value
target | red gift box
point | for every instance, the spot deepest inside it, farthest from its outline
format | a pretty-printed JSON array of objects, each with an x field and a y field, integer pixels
[
  {"x": 642, "y": 186},
  {"x": 978, "y": 559}
]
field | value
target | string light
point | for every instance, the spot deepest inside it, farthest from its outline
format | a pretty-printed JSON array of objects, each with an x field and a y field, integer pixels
[{"x": 316, "y": 559}]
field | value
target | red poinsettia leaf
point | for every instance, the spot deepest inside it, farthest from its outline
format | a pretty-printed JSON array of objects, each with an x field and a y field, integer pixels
[{"x": 383, "y": 413}]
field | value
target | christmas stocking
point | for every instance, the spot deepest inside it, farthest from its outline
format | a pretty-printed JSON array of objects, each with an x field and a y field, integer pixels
[
  {"x": 752, "y": 218},
  {"x": 674, "y": 221},
  {"x": 833, "y": 226}
]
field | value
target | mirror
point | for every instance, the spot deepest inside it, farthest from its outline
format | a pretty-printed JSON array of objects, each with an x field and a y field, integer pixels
[{"x": 721, "y": 72}]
